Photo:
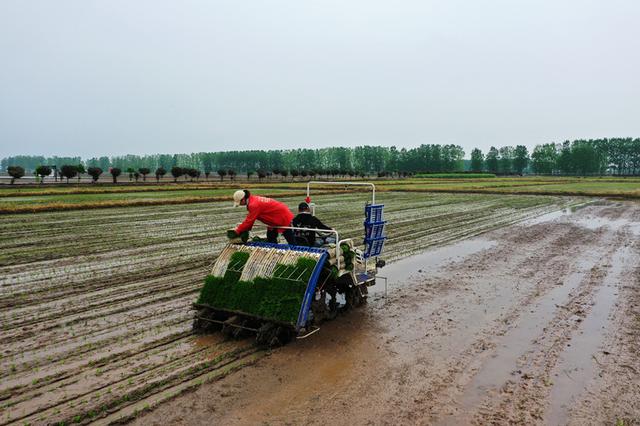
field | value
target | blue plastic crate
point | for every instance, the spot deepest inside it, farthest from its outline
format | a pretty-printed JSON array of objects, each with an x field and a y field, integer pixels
[
  {"x": 373, "y": 213},
  {"x": 373, "y": 247},
  {"x": 374, "y": 230}
]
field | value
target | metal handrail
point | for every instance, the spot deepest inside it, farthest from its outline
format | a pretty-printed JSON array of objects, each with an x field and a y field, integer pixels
[
  {"x": 333, "y": 231},
  {"x": 319, "y": 182}
]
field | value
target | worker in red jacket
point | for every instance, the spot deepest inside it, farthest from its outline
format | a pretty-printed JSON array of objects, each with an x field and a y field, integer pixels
[{"x": 268, "y": 211}]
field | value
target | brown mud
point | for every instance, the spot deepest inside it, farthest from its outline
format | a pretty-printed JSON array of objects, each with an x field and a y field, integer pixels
[
  {"x": 534, "y": 323},
  {"x": 95, "y": 309}
]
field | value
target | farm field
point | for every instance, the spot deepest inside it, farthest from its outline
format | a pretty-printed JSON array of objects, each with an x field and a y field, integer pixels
[
  {"x": 536, "y": 323},
  {"x": 131, "y": 187},
  {"x": 95, "y": 305},
  {"x": 24, "y": 203},
  {"x": 604, "y": 187},
  {"x": 28, "y": 199}
]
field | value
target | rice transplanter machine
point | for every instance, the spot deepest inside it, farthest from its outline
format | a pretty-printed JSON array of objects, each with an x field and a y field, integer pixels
[{"x": 279, "y": 291}]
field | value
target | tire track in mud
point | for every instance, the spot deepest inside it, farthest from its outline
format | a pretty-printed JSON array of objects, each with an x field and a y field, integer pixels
[
  {"x": 519, "y": 374},
  {"x": 108, "y": 316},
  {"x": 479, "y": 314},
  {"x": 614, "y": 385},
  {"x": 575, "y": 366},
  {"x": 523, "y": 397}
]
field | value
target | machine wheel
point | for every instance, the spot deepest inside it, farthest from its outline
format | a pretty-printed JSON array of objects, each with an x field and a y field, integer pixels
[
  {"x": 332, "y": 308},
  {"x": 324, "y": 309},
  {"x": 265, "y": 333},
  {"x": 228, "y": 329},
  {"x": 282, "y": 337},
  {"x": 200, "y": 323},
  {"x": 356, "y": 296},
  {"x": 364, "y": 292},
  {"x": 272, "y": 335}
]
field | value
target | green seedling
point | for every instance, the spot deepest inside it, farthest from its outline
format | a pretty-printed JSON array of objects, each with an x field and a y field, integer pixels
[{"x": 278, "y": 297}]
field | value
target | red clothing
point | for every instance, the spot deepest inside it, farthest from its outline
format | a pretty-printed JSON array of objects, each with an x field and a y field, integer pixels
[{"x": 268, "y": 211}]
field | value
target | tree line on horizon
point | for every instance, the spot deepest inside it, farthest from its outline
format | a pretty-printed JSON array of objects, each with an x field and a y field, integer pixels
[{"x": 618, "y": 156}]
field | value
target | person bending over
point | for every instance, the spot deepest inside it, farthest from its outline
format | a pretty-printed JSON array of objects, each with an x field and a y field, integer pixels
[{"x": 268, "y": 211}]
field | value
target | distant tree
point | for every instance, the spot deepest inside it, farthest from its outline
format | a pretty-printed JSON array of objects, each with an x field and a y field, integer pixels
[
  {"x": 284, "y": 174},
  {"x": 585, "y": 158},
  {"x": 130, "y": 171},
  {"x": 95, "y": 173},
  {"x": 276, "y": 172},
  {"x": 505, "y": 163},
  {"x": 250, "y": 173},
  {"x": 477, "y": 159},
  {"x": 520, "y": 159},
  {"x": 136, "y": 175},
  {"x": 294, "y": 174},
  {"x": 68, "y": 171},
  {"x": 144, "y": 172},
  {"x": 43, "y": 171},
  {"x": 231, "y": 173},
  {"x": 492, "y": 160},
  {"x": 261, "y": 174},
  {"x": 544, "y": 158},
  {"x": 193, "y": 173},
  {"x": 16, "y": 172},
  {"x": 115, "y": 172},
  {"x": 565, "y": 160},
  {"x": 160, "y": 172},
  {"x": 104, "y": 163},
  {"x": 176, "y": 172},
  {"x": 207, "y": 165},
  {"x": 222, "y": 173},
  {"x": 81, "y": 170}
]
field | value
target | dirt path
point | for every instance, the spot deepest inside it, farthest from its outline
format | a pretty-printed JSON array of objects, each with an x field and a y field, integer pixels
[{"x": 536, "y": 323}]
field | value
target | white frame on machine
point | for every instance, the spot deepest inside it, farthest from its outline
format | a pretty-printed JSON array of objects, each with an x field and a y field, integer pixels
[
  {"x": 333, "y": 231},
  {"x": 338, "y": 183}
]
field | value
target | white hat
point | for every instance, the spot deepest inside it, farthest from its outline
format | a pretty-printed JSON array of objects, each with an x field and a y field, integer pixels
[{"x": 237, "y": 197}]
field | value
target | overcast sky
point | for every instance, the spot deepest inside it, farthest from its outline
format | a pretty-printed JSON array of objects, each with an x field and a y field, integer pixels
[{"x": 113, "y": 77}]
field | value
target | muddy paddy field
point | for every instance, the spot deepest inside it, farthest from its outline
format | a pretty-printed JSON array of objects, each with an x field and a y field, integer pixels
[{"x": 501, "y": 309}]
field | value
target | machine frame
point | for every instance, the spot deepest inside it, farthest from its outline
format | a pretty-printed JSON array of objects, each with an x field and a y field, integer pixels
[{"x": 319, "y": 300}]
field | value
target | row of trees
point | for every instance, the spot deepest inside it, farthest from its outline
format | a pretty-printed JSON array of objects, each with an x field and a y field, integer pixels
[
  {"x": 580, "y": 157},
  {"x": 365, "y": 159},
  {"x": 70, "y": 171},
  {"x": 588, "y": 157},
  {"x": 506, "y": 160}
]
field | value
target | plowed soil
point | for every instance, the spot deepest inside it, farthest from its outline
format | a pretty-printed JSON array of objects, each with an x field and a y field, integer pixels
[{"x": 532, "y": 323}]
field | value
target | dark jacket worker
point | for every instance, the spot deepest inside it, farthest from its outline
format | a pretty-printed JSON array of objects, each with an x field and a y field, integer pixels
[{"x": 305, "y": 219}]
